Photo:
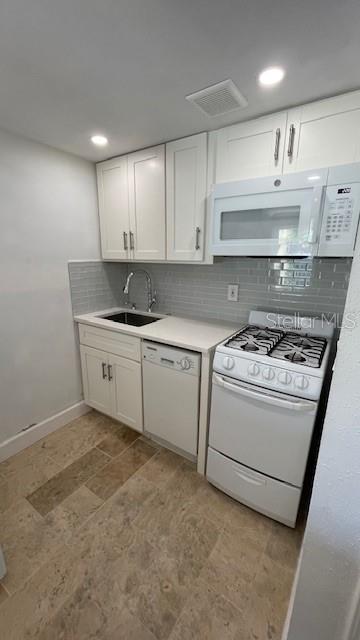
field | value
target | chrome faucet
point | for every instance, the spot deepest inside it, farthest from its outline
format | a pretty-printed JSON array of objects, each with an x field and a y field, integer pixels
[{"x": 151, "y": 294}]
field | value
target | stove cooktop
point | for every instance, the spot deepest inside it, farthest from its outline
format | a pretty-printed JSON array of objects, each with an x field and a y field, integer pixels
[
  {"x": 256, "y": 339},
  {"x": 293, "y": 347},
  {"x": 307, "y": 350}
]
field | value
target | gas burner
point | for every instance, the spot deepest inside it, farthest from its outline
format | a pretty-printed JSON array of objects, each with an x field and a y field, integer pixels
[
  {"x": 303, "y": 350},
  {"x": 250, "y": 347},
  {"x": 299, "y": 341},
  {"x": 295, "y": 357},
  {"x": 255, "y": 339}
]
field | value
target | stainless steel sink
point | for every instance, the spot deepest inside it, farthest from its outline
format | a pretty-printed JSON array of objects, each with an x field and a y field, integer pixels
[{"x": 134, "y": 319}]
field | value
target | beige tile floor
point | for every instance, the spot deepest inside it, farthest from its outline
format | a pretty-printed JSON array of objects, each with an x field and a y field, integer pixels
[{"x": 108, "y": 536}]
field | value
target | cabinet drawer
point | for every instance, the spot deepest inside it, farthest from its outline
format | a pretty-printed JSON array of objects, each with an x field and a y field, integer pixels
[
  {"x": 266, "y": 495},
  {"x": 120, "y": 344}
]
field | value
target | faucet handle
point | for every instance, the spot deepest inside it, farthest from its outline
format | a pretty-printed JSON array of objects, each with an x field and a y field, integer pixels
[{"x": 154, "y": 299}]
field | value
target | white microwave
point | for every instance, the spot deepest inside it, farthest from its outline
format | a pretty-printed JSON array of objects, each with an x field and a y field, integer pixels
[{"x": 312, "y": 213}]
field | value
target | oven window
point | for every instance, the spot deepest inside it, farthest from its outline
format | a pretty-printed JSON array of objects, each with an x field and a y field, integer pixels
[{"x": 273, "y": 223}]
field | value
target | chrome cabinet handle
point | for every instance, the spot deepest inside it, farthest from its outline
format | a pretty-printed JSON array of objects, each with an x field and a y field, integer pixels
[
  {"x": 291, "y": 141},
  {"x": 277, "y": 144},
  {"x": 103, "y": 364},
  {"x": 197, "y": 238},
  {"x": 125, "y": 241},
  {"x": 110, "y": 376},
  {"x": 132, "y": 246}
]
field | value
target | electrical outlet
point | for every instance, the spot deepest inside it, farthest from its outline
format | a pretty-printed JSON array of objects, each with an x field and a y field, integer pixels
[{"x": 233, "y": 292}]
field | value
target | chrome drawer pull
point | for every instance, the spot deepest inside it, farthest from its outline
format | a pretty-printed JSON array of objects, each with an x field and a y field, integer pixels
[
  {"x": 291, "y": 141},
  {"x": 277, "y": 144},
  {"x": 132, "y": 244},
  {"x": 125, "y": 241},
  {"x": 197, "y": 238}
]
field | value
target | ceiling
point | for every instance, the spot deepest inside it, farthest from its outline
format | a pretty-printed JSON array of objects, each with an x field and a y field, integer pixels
[{"x": 71, "y": 68}]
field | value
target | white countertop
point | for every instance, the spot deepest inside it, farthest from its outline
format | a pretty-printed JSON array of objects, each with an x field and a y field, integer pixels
[{"x": 193, "y": 334}]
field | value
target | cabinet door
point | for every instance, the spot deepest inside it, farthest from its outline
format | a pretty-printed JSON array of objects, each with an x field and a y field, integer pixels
[
  {"x": 146, "y": 170},
  {"x": 186, "y": 197},
  {"x": 250, "y": 149},
  {"x": 97, "y": 390},
  {"x": 323, "y": 134},
  {"x": 126, "y": 390},
  {"x": 112, "y": 177}
]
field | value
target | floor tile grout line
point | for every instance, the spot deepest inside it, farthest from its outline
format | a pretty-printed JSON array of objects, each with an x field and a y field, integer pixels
[
  {"x": 105, "y": 502},
  {"x": 6, "y": 589},
  {"x": 83, "y": 484},
  {"x": 115, "y": 458},
  {"x": 193, "y": 585},
  {"x": 104, "y": 452},
  {"x": 121, "y": 452},
  {"x": 69, "y": 543},
  {"x": 150, "y": 460},
  {"x": 222, "y": 594},
  {"x": 31, "y": 575}
]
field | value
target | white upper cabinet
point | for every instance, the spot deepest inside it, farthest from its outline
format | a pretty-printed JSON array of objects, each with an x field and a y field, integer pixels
[
  {"x": 323, "y": 134},
  {"x": 146, "y": 176},
  {"x": 142, "y": 219},
  {"x": 186, "y": 162},
  {"x": 250, "y": 149},
  {"x": 112, "y": 177}
]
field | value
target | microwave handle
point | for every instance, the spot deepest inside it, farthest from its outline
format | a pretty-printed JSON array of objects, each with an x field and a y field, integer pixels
[
  {"x": 312, "y": 237},
  {"x": 316, "y": 215}
]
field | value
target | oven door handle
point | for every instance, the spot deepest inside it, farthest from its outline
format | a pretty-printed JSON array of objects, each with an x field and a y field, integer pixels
[{"x": 263, "y": 397}]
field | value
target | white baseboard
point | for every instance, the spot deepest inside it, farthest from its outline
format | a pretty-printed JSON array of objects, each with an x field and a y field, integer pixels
[{"x": 24, "y": 439}]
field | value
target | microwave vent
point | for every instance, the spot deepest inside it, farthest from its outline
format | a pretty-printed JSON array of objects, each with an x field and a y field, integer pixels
[{"x": 218, "y": 99}]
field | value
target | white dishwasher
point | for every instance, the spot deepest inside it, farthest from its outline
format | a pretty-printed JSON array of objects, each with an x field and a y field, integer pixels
[{"x": 171, "y": 380}]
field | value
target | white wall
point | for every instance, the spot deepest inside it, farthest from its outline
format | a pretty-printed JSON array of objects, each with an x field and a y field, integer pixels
[
  {"x": 328, "y": 589},
  {"x": 48, "y": 215}
]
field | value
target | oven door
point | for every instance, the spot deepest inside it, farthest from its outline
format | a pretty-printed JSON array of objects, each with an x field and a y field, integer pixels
[
  {"x": 256, "y": 218},
  {"x": 264, "y": 430}
]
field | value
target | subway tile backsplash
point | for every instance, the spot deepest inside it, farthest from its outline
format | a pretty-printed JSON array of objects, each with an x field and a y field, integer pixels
[
  {"x": 293, "y": 285},
  {"x": 96, "y": 285}
]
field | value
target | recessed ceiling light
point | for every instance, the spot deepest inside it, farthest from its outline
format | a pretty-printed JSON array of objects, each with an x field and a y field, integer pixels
[
  {"x": 271, "y": 76},
  {"x": 99, "y": 141}
]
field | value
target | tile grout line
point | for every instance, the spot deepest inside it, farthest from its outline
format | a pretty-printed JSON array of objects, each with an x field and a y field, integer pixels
[
  {"x": 104, "y": 502},
  {"x": 5, "y": 589}
]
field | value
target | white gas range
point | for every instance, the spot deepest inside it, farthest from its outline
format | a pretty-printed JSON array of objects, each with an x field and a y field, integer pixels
[{"x": 267, "y": 382}]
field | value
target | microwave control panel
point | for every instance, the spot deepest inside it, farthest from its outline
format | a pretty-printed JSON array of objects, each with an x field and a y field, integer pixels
[{"x": 340, "y": 220}]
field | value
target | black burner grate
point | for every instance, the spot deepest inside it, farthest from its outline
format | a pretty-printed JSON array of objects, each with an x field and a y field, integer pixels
[{"x": 294, "y": 347}]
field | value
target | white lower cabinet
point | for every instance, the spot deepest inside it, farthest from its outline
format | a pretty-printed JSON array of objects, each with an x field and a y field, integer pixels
[
  {"x": 126, "y": 391},
  {"x": 97, "y": 391},
  {"x": 113, "y": 385}
]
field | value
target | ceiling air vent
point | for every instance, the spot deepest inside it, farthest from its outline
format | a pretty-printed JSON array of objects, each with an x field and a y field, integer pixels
[{"x": 218, "y": 99}]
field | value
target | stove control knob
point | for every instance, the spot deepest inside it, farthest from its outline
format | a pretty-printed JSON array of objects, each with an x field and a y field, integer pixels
[
  {"x": 301, "y": 382},
  {"x": 228, "y": 363},
  {"x": 268, "y": 374},
  {"x": 284, "y": 377},
  {"x": 253, "y": 369},
  {"x": 185, "y": 364}
]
